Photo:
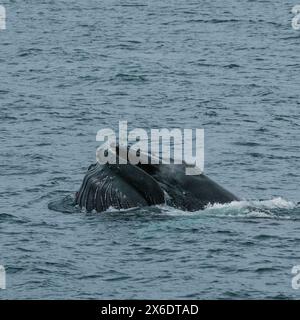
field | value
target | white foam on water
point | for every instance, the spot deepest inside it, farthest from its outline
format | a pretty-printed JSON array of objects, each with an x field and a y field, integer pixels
[
  {"x": 276, "y": 203},
  {"x": 277, "y": 208},
  {"x": 244, "y": 208},
  {"x": 253, "y": 208},
  {"x": 114, "y": 210}
]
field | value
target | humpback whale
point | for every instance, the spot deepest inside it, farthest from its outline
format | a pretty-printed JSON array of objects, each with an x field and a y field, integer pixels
[{"x": 124, "y": 186}]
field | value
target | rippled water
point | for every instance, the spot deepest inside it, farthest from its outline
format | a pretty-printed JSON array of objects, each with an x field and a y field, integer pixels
[{"x": 70, "y": 68}]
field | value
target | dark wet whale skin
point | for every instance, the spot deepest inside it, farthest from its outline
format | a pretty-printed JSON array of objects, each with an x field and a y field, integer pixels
[
  {"x": 188, "y": 192},
  {"x": 118, "y": 186},
  {"x": 126, "y": 186}
]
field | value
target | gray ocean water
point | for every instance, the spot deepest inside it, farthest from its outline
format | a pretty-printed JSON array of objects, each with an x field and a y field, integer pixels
[{"x": 70, "y": 68}]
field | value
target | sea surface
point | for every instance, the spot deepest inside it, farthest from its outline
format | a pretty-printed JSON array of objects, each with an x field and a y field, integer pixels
[{"x": 71, "y": 68}]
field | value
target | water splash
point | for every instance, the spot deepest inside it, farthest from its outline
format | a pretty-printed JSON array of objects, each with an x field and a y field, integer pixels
[{"x": 276, "y": 208}]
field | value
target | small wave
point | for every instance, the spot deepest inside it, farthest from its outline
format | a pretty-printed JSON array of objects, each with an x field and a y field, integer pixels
[
  {"x": 65, "y": 205},
  {"x": 130, "y": 77},
  {"x": 6, "y": 217}
]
